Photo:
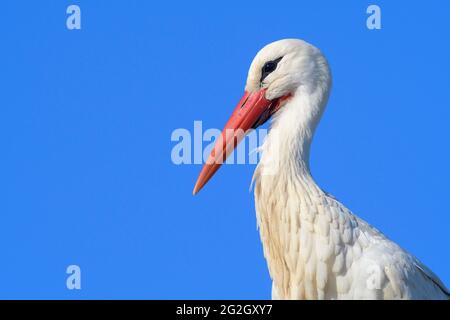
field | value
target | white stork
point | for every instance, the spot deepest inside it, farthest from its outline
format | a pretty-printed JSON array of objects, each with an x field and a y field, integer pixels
[{"x": 315, "y": 247}]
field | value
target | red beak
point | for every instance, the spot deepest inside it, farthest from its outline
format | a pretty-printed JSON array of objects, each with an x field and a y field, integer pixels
[{"x": 252, "y": 111}]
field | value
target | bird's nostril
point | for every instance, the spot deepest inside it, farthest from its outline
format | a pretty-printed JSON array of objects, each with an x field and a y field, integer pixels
[{"x": 245, "y": 101}]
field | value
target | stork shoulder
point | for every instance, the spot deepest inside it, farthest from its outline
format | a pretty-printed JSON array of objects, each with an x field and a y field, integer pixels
[{"x": 380, "y": 268}]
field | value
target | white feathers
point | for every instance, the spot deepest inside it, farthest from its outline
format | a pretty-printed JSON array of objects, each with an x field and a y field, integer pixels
[{"x": 315, "y": 247}]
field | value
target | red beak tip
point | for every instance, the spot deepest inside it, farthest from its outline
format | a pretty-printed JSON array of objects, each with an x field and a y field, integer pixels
[{"x": 196, "y": 190}]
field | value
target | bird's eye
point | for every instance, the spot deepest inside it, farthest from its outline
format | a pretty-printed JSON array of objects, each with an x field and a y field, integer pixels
[{"x": 269, "y": 67}]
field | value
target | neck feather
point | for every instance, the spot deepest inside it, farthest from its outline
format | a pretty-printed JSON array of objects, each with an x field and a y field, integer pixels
[
  {"x": 286, "y": 151},
  {"x": 285, "y": 189}
]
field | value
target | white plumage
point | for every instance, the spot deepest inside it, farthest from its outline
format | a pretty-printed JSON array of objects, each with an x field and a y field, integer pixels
[{"x": 314, "y": 246}]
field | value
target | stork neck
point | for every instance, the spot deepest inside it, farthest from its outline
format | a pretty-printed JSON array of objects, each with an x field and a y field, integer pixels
[
  {"x": 287, "y": 148},
  {"x": 285, "y": 190}
]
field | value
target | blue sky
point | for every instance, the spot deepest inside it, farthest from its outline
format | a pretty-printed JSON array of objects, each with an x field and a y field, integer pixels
[{"x": 86, "y": 119}]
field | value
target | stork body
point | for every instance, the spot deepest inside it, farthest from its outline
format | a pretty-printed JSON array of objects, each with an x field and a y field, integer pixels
[{"x": 314, "y": 246}]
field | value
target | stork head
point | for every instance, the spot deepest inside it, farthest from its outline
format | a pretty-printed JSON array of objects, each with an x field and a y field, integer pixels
[{"x": 280, "y": 72}]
